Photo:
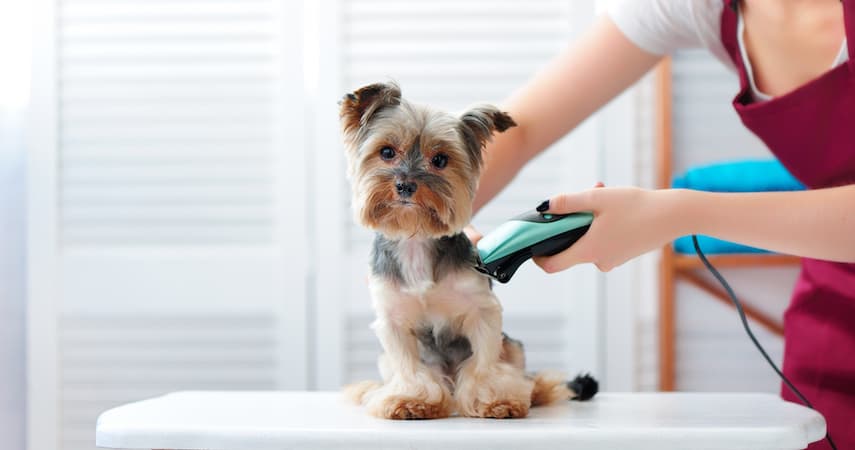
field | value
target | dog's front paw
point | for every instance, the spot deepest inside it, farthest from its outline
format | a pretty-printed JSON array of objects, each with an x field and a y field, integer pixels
[
  {"x": 419, "y": 398},
  {"x": 403, "y": 408},
  {"x": 503, "y": 409},
  {"x": 502, "y": 392}
]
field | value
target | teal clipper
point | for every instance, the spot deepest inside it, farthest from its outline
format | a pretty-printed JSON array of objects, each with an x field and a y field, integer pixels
[{"x": 529, "y": 234}]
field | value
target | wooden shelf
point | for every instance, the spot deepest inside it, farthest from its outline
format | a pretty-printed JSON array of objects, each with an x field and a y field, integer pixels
[
  {"x": 767, "y": 321},
  {"x": 690, "y": 262},
  {"x": 674, "y": 267}
]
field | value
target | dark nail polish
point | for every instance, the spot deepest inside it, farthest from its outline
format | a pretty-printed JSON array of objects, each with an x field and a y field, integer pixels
[{"x": 543, "y": 206}]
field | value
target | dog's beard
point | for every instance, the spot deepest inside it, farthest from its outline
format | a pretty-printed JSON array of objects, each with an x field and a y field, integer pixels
[{"x": 424, "y": 215}]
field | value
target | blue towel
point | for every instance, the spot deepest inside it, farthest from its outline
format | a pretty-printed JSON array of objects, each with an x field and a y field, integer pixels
[
  {"x": 712, "y": 246},
  {"x": 735, "y": 176},
  {"x": 753, "y": 175}
]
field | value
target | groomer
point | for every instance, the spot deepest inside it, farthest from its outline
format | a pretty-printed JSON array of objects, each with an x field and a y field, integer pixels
[{"x": 796, "y": 92}]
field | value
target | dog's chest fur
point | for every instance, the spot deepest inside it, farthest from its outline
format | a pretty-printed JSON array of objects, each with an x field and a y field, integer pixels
[
  {"x": 416, "y": 265},
  {"x": 415, "y": 262},
  {"x": 430, "y": 284}
]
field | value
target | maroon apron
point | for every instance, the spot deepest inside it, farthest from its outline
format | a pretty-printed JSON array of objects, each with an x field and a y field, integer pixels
[{"x": 812, "y": 132}]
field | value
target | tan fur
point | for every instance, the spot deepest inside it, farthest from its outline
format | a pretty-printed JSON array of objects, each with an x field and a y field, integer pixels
[
  {"x": 412, "y": 408},
  {"x": 355, "y": 392},
  {"x": 504, "y": 409},
  {"x": 549, "y": 387},
  {"x": 513, "y": 354},
  {"x": 491, "y": 382}
]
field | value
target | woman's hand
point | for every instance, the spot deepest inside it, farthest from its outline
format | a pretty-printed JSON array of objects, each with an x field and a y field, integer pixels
[
  {"x": 473, "y": 234},
  {"x": 627, "y": 223}
]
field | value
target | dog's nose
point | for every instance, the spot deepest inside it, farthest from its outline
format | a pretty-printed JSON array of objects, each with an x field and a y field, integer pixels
[{"x": 406, "y": 189}]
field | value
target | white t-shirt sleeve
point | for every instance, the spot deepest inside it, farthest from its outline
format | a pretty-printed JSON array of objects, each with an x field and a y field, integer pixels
[{"x": 664, "y": 26}]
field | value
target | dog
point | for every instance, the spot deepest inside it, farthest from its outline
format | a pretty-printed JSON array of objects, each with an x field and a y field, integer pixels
[{"x": 414, "y": 171}]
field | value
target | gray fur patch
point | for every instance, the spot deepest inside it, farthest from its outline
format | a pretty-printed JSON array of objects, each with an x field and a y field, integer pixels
[
  {"x": 453, "y": 253},
  {"x": 449, "y": 254},
  {"x": 442, "y": 348},
  {"x": 384, "y": 260}
]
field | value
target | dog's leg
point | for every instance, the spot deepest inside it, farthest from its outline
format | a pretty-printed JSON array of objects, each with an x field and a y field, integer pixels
[
  {"x": 549, "y": 387},
  {"x": 410, "y": 390},
  {"x": 486, "y": 385},
  {"x": 512, "y": 352}
]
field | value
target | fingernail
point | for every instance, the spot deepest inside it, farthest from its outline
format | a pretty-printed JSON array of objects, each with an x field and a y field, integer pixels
[{"x": 543, "y": 206}]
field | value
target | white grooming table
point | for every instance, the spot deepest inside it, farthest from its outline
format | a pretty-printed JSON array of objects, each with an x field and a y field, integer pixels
[{"x": 322, "y": 420}]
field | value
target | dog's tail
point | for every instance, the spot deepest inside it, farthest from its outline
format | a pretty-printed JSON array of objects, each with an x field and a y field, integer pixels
[
  {"x": 356, "y": 392},
  {"x": 584, "y": 387},
  {"x": 550, "y": 387}
]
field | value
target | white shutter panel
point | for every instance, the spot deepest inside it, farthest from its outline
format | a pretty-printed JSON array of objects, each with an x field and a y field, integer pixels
[
  {"x": 706, "y": 128},
  {"x": 165, "y": 133},
  {"x": 179, "y": 191},
  {"x": 450, "y": 54}
]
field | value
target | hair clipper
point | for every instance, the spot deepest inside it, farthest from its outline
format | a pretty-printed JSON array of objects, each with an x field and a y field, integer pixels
[{"x": 530, "y": 234}]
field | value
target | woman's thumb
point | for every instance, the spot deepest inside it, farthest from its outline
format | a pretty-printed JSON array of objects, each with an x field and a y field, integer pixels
[{"x": 473, "y": 234}]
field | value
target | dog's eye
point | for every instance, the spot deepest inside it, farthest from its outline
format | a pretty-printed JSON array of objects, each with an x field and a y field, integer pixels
[
  {"x": 439, "y": 160},
  {"x": 387, "y": 153}
]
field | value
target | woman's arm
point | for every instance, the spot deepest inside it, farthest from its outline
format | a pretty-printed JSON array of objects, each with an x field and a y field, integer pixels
[
  {"x": 815, "y": 224},
  {"x": 584, "y": 77},
  {"x": 628, "y": 222}
]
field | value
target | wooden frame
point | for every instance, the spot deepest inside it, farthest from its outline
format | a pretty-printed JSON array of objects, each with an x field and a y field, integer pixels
[{"x": 674, "y": 267}]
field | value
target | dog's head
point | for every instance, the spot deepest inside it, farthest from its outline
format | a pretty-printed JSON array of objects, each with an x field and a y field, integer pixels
[{"x": 413, "y": 170}]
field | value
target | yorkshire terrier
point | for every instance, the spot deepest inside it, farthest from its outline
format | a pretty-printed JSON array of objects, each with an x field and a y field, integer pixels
[{"x": 414, "y": 171}]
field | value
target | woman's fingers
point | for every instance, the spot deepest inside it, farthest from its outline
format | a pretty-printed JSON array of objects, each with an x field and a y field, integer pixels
[
  {"x": 568, "y": 203},
  {"x": 575, "y": 254},
  {"x": 473, "y": 234},
  {"x": 628, "y": 222}
]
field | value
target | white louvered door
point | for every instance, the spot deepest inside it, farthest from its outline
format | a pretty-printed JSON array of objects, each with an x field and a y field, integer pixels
[
  {"x": 448, "y": 54},
  {"x": 167, "y": 205}
]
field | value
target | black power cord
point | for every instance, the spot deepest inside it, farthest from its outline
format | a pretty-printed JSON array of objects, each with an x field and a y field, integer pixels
[{"x": 739, "y": 310}]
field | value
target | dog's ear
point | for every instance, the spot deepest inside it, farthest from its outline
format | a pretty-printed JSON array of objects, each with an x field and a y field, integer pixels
[
  {"x": 478, "y": 125},
  {"x": 358, "y": 107}
]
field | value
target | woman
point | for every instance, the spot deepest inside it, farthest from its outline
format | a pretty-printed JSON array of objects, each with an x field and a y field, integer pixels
[{"x": 797, "y": 93}]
